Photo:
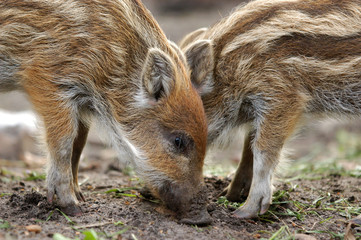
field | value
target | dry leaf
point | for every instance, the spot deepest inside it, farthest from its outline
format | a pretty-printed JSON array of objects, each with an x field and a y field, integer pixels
[
  {"x": 304, "y": 237},
  {"x": 348, "y": 233}
]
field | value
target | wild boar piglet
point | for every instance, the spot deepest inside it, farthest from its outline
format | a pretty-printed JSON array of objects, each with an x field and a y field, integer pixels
[
  {"x": 268, "y": 65},
  {"x": 106, "y": 60}
]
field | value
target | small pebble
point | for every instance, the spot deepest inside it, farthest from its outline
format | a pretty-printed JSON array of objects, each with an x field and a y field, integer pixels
[
  {"x": 33, "y": 228},
  {"x": 211, "y": 207}
]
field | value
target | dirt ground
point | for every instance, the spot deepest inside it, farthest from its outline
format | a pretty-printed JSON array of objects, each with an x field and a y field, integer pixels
[
  {"x": 309, "y": 204},
  {"x": 315, "y": 197}
]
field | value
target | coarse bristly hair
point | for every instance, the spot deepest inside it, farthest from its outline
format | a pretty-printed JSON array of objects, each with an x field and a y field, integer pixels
[
  {"x": 269, "y": 64},
  {"x": 108, "y": 60}
]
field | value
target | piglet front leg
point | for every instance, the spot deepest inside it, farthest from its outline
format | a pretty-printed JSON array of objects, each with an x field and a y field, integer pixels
[
  {"x": 65, "y": 142},
  {"x": 260, "y": 196},
  {"x": 271, "y": 131},
  {"x": 60, "y": 181},
  {"x": 62, "y": 173}
]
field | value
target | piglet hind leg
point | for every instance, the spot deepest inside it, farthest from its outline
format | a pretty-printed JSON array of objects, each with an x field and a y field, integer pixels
[
  {"x": 270, "y": 135},
  {"x": 241, "y": 182},
  {"x": 78, "y": 146}
]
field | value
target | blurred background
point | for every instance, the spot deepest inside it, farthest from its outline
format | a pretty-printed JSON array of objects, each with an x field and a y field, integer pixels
[{"x": 327, "y": 140}]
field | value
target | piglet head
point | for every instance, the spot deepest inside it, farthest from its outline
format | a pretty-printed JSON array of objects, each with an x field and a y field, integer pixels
[{"x": 171, "y": 132}]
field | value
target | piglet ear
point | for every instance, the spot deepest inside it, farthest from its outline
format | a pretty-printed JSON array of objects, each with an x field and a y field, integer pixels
[
  {"x": 192, "y": 37},
  {"x": 158, "y": 76},
  {"x": 200, "y": 59}
]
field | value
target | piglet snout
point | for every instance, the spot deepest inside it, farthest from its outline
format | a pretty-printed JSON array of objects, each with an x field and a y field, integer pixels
[
  {"x": 197, "y": 213},
  {"x": 199, "y": 218}
]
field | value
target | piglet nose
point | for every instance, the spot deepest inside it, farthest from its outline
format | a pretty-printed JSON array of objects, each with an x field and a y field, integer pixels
[
  {"x": 176, "y": 196},
  {"x": 197, "y": 213}
]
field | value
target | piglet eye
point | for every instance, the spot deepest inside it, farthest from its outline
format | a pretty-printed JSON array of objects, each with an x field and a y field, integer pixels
[{"x": 179, "y": 143}]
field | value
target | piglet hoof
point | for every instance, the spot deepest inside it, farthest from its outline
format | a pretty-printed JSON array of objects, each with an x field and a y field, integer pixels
[
  {"x": 237, "y": 195},
  {"x": 233, "y": 197},
  {"x": 146, "y": 193},
  {"x": 224, "y": 192},
  {"x": 264, "y": 208},
  {"x": 72, "y": 210},
  {"x": 80, "y": 196},
  {"x": 50, "y": 196},
  {"x": 201, "y": 219},
  {"x": 244, "y": 214},
  {"x": 356, "y": 220}
]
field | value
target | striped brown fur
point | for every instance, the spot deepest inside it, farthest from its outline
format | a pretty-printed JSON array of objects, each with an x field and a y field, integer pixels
[
  {"x": 268, "y": 65},
  {"x": 106, "y": 60}
]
